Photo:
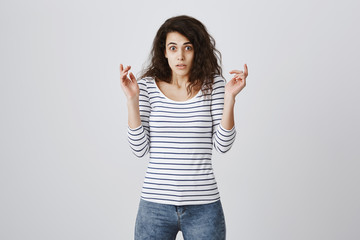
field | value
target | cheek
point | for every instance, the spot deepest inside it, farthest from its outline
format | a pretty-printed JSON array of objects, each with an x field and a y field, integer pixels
[
  {"x": 191, "y": 62},
  {"x": 170, "y": 61},
  {"x": 171, "y": 64},
  {"x": 191, "y": 56}
]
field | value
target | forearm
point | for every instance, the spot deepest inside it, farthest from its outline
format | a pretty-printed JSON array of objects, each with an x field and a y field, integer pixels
[
  {"x": 134, "y": 120},
  {"x": 227, "y": 120}
]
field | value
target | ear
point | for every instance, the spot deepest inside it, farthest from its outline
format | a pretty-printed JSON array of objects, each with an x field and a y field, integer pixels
[{"x": 165, "y": 54}]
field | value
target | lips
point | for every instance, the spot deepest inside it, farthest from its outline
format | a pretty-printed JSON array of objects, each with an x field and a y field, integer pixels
[{"x": 181, "y": 66}]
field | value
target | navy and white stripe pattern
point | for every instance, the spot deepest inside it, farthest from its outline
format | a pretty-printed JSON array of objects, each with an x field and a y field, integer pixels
[{"x": 179, "y": 137}]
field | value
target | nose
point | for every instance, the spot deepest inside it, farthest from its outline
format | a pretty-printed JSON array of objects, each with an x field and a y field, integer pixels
[{"x": 180, "y": 55}]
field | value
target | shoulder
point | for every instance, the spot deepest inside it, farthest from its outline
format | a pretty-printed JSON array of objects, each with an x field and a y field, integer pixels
[
  {"x": 219, "y": 80},
  {"x": 146, "y": 82},
  {"x": 218, "y": 84}
]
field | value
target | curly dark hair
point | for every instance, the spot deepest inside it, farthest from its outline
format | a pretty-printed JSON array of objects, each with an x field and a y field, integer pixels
[{"x": 207, "y": 59}]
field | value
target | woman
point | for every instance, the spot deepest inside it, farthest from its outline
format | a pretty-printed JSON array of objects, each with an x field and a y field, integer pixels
[{"x": 178, "y": 111}]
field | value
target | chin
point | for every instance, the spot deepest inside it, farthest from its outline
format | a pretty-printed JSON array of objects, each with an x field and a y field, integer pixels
[{"x": 182, "y": 73}]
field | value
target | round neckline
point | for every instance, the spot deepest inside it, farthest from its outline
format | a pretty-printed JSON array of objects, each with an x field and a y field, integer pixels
[{"x": 174, "y": 101}]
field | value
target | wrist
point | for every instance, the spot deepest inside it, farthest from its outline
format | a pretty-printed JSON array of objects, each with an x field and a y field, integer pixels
[
  {"x": 133, "y": 101},
  {"x": 229, "y": 98}
]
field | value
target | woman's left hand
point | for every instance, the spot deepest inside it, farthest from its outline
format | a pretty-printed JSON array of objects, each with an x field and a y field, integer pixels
[{"x": 237, "y": 83}]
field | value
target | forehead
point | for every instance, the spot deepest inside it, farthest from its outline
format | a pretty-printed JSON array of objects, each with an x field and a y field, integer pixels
[{"x": 176, "y": 37}]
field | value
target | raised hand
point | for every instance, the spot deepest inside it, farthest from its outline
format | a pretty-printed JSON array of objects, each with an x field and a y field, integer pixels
[
  {"x": 129, "y": 85},
  {"x": 237, "y": 83}
]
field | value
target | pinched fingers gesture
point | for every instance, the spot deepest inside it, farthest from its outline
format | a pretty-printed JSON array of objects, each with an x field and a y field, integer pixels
[
  {"x": 129, "y": 85},
  {"x": 238, "y": 82}
]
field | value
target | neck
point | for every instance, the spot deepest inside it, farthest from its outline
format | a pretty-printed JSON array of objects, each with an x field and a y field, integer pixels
[{"x": 180, "y": 81}]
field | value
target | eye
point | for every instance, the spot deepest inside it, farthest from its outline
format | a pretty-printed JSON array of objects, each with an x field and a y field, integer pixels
[
  {"x": 172, "y": 48},
  {"x": 188, "y": 48}
]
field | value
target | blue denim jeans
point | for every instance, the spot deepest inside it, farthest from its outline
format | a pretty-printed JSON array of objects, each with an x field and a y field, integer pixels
[{"x": 163, "y": 221}]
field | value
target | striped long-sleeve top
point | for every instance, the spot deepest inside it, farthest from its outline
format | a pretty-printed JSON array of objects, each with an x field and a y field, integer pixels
[{"x": 180, "y": 137}]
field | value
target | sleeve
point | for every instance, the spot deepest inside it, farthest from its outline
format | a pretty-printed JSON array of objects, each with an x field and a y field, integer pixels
[
  {"x": 222, "y": 138},
  {"x": 139, "y": 138}
]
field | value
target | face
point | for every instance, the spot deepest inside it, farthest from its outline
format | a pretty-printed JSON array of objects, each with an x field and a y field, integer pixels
[{"x": 180, "y": 53}]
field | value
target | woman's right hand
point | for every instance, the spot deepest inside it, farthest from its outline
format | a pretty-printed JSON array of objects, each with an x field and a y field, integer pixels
[{"x": 129, "y": 85}]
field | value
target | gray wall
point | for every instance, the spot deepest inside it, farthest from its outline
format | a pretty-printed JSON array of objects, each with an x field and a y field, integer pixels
[{"x": 66, "y": 170}]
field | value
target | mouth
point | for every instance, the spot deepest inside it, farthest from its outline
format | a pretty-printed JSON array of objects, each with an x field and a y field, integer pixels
[{"x": 181, "y": 66}]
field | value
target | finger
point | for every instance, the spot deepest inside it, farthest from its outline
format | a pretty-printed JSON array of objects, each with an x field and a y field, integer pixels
[
  {"x": 236, "y": 76},
  {"x": 123, "y": 79},
  {"x": 246, "y": 69},
  {"x": 235, "y": 80},
  {"x": 235, "y": 71},
  {"x": 132, "y": 77},
  {"x": 123, "y": 75},
  {"x": 242, "y": 75},
  {"x": 126, "y": 69},
  {"x": 243, "y": 78},
  {"x": 122, "y": 72}
]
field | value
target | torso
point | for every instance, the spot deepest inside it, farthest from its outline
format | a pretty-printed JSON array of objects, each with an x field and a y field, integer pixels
[{"x": 180, "y": 130}]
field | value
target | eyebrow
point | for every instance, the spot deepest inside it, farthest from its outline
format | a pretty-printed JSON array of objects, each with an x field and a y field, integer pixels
[{"x": 176, "y": 44}]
